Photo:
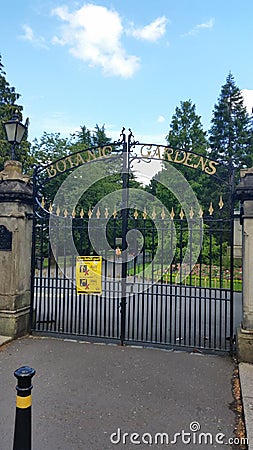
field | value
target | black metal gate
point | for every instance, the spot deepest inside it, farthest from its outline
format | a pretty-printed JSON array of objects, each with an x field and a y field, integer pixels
[{"x": 167, "y": 275}]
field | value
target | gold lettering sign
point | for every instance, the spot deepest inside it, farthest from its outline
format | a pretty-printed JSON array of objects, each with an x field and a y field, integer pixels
[
  {"x": 180, "y": 157},
  {"x": 77, "y": 159},
  {"x": 183, "y": 157}
]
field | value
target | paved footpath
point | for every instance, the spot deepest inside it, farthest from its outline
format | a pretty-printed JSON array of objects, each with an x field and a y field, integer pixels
[{"x": 86, "y": 396}]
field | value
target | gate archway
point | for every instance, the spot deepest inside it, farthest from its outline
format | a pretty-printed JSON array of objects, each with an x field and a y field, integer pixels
[{"x": 167, "y": 271}]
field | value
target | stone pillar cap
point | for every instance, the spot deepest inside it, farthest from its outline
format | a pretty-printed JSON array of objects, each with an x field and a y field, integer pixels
[
  {"x": 13, "y": 171},
  {"x": 244, "y": 190}
]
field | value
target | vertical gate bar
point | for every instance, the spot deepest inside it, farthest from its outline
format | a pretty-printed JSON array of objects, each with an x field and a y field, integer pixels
[
  {"x": 73, "y": 305},
  {"x": 142, "y": 312},
  {"x": 44, "y": 278},
  {"x": 200, "y": 262},
  {"x": 156, "y": 308},
  {"x": 108, "y": 285},
  {"x": 180, "y": 286},
  {"x": 171, "y": 278},
  {"x": 215, "y": 296},
  {"x": 175, "y": 297},
  {"x": 143, "y": 250},
  {"x": 149, "y": 304},
  {"x": 132, "y": 325},
  {"x": 210, "y": 278},
  {"x": 151, "y": 312},
  {"x": 124, "y": 207},
  {"x": 222, "y": 228},
  {"x": 114, "y": 247},
  {"x": 152, "y": 282},
  {"x": 47, "y": 281},
  {"x": 153, "y": 252},
  {"x": 232, "y": 263},
  {"x": 221, "y": 255},
  {"x": 190, "y": 293}
]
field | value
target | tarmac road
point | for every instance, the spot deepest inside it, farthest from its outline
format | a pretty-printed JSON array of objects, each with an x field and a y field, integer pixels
[{"x": 86, "y": 396}]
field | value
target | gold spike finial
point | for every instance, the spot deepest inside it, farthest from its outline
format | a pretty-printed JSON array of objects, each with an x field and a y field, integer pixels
[
  {"x": 201, "y": 212},
  {"x": 65, "y": 213},
  {"x": 221, "y": 204},
  {"x": 191, "y": 213},
  {"x": 211, "y": 210},
  {"x": 172, "y": 214},
  {"x": 50, "y": 208},
  {"x": 106, "y": 213},
  {"x": 82, "y": 213},
  {"x": 89, "y": 213},
  {"x": 58, "y": 211},
  {"x": 98, "y": 213},
  {"x": 115, "y": 213},
  {"x": 181, "y": 215},
  {"x": 163, "y": 214},
  {"x": 43, "y": 202},
  {"x": 136, "y": 214},
  {"x": 145, "y": 213},
  {"x": 73, "y": 213},
  {"x": 153, "y": 214}
]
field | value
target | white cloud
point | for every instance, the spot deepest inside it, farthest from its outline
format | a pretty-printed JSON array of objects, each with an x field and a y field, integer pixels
[
  {"x": 248, "y": 99},
  {"x": 93, "y": 34},
  {"x": 208, "y": 24},
  {"x": 30, "y": 36},
  {"x": 161, "y": 119},
  {"x": 28, "y": 33},
  {"x": 202, "y": 26},
  {"x": 152, "y": 32}
]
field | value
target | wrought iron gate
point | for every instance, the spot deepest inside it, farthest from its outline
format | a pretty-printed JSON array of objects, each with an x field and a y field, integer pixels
[{"x": 168, "y": 275}]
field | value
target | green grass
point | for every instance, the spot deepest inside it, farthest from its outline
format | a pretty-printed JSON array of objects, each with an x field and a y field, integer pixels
[
  {"x": 190, "y": 280},
  {"x": 153, "y": 273}
]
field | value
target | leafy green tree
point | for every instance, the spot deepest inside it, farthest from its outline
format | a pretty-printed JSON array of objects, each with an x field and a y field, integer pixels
[
  {"x": 8, "y": 106},
  {"x": 230, "y": 135},
  {"x": 52, "y": 147}
]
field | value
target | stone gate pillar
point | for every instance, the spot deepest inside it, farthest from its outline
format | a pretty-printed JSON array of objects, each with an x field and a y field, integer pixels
[
  {"x": 244, "y": 193},
  {"x": 15, "y": 250}
]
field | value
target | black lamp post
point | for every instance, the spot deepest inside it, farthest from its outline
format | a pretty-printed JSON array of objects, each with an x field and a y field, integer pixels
[{"x": 14, "y": 131}]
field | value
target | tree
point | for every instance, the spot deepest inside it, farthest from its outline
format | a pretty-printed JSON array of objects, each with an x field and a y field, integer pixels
[
  {"x": 8, "y": 106},
  {"x": 52, "y": 147},
  {"x": 230, "y": 135},
  {"x": 186, "y": 131}
]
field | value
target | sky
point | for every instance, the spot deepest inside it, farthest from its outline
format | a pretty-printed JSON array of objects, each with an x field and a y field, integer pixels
[{"x": 123, "y": 62}]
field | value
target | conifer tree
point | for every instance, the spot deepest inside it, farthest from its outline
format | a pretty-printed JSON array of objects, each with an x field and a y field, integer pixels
[
  {"x": 186, "y": 131},
  {"x": 230, "y": 135}
]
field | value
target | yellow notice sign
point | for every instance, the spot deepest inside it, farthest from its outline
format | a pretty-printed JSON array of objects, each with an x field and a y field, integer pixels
[{"x": 89, "y": 274}]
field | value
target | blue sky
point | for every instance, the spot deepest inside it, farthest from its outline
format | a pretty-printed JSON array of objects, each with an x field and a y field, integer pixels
[{"x": 123, "y": 62}]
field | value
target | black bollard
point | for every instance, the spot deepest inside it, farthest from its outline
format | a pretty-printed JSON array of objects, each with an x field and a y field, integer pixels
[{"x": 23, "y": 422}]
